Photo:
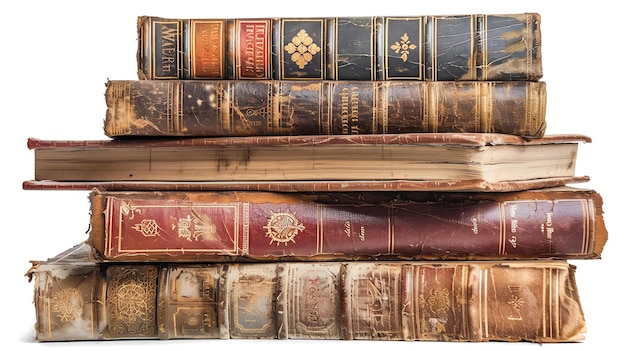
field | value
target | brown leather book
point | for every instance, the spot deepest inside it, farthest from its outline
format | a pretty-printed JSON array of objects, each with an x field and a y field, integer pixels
[
  {"x": 445, "y": 48},
  {"x": 210, "y": 108},
  {"x": 534, "y": 301},
  {"x": 440, "y": 160},
  {"x": 564, "y": 222}
]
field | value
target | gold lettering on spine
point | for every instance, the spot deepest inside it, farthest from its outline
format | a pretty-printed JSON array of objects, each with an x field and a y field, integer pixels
[
  {"x": 344, "y": 110},
  {"x": 246, "y": 228},
  {"x": 168, "y": 48},
  {"x": 513, "y": 226},
  {"x": 354, "y": 112},
  {"x": 349, "y": 110},
  {"x": 208, "y": 54},
  {"x": 253, "y": 50},
  {"x": 548, "y": 225}
]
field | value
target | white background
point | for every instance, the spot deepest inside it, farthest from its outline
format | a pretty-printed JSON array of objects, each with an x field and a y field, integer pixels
[{"x": 57, "y": 56}]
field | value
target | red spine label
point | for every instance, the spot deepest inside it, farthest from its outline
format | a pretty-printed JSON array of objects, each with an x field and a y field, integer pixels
[{"x": 253, "y": 49}]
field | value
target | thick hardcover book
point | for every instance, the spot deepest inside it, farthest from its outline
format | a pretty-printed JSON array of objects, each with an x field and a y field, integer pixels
[
  {"x": 193, "y": 108},
  {"x": 444, "y": 48},
  {"x": 534, "y": 301},
  {"x": 263, "y": 226},
  {"x": 436, "y": 158}
]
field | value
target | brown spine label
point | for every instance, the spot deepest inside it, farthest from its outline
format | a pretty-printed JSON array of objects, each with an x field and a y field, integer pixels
[{"x": 208, "y": 49}]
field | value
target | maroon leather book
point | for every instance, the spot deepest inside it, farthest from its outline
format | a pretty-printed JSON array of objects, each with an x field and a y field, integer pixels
[{"x": 225, "y": 226}]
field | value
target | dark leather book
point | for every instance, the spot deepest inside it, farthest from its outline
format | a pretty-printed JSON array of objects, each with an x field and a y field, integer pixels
[
  {"x": 439, "y": 161},
  {"x": 181, "y": 226},
  {"x": 533, "y": 301},
  {"x": 209, "y": 108},
  {"x": 445, "y": 48}
]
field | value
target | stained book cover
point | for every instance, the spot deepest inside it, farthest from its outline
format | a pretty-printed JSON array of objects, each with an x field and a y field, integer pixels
[
  {"x": 477, "y": 301},
  {"x": 152, "y": 108},
  {"x": 264, "y": 226},
  {"x": 439, "y": 161},
  {"x": 432, "y": 47}
]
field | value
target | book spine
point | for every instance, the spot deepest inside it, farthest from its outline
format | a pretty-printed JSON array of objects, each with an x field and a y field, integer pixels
[
  {"x": 227, "y": 226},
  {"x": 483, "y": 47},
  {"x": 279, "y": 107},
  {"x": 459, "y": 47},
  {"x": 351, "y": 49},
  {"x": 448, "y": 301}
]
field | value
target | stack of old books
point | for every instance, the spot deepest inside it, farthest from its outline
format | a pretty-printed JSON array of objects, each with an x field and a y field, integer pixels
[{"x": 378, "y": 178}]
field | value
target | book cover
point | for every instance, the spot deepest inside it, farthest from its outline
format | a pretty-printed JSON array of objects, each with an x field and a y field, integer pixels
[
  {"x": 181, "y": 226},
  {"x": 210, "y": 108},
  {"x": 434, "y": 158},
  {"x": 440, "y": 48},
  {"x": 447, "y": 301}
]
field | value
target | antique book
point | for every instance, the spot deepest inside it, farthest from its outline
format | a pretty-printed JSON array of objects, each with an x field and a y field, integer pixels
[
  {"x": 532, "y": 301},
  {"x": 209, "y": 108},
  {"x": 178, "y": 226},
  {"x": 305, "y": 185},
  {"x": 444, "y": 48},
  {"x": 441, "y": 159}
]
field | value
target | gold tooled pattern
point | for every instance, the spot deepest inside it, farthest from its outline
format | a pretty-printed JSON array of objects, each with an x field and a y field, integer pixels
[
  {"x": 439, "y": 301},
  {"x": 197, "y": 228},
  {"x": 302, "y": 48},
  {"x": 68, "y": 304},
  {"x": 131, "y": 301},
  {"x": 516, "y": 302},
  {"x": 147, "y": 227},
  {"x": 282, "y": 228},
  {"x": 403, "y": 47}
]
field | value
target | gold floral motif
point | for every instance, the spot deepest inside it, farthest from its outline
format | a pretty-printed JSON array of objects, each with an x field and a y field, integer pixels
[
  {"x": 68, "y": 304},
  {"x": 282, "y": 228},
  {"x": 197, "y": 228},
  {"x": 302, "y": 48},
  {"x": 439, "y": 301},
  {"x": 147, "y": 227},
  {"x": 404, "y": 46}
]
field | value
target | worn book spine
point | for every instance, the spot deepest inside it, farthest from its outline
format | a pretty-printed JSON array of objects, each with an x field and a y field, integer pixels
[
  {"x": 264, "y": 226},
  {"x": 447, "y": 301},
  {"x": 278, "y": 107},
  {"x": 453, "y": 47}
]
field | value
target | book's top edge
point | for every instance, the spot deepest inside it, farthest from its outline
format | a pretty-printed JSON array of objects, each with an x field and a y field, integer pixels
[
  {"x": 440, "y": 15},
  {"x": 435, "y": 139},
  {"x": 474, "y": 185}
]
